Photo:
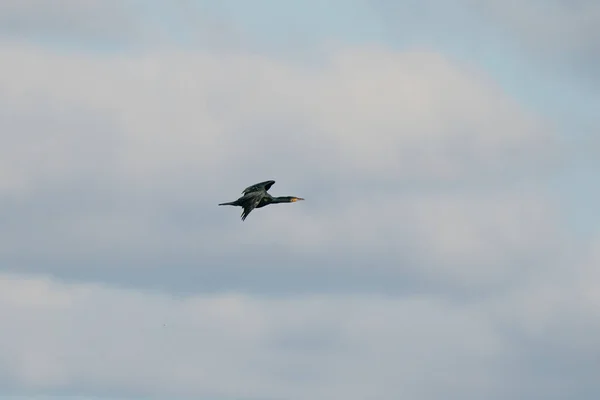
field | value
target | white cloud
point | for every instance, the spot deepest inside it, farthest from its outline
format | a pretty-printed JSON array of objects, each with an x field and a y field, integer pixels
[
  {"x": 114, "y": 156},
  {"x": 369, "y": 113}
]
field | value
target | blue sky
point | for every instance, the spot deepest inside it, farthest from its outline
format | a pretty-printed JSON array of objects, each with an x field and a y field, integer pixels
[{"x": 447, "y": 248}]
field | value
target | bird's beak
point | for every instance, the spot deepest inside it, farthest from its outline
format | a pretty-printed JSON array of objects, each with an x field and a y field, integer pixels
[{"x": 297, "y": 198}]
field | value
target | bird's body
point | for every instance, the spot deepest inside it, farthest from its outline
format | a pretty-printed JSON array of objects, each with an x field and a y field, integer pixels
[{"x": 256, "y": 196}]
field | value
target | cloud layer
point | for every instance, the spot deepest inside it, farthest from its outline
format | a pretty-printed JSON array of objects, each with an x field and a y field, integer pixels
[
  {"x": 435, "y": 256},
  {"x": 321, "y": 346},
  {"x": 122, "y": 160}
]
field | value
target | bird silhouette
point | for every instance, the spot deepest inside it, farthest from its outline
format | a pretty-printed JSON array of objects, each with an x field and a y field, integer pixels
[{"x": 256, "y": 196}]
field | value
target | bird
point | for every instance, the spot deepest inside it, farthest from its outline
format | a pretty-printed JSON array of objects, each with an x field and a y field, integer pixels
[{"x": 256, "y": 196}]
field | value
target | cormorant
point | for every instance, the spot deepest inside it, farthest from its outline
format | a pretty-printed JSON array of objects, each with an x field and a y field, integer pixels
[{"x": 256, "y": 196}]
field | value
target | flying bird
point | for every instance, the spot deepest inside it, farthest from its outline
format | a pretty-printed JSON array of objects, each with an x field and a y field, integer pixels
[{"x": 256, "y": 196}]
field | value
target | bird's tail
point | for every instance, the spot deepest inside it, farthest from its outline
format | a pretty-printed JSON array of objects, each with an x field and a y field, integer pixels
[{"x": 231, "y": 203}]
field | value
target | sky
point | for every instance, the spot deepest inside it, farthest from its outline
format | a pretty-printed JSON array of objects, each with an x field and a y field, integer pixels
[{"x": 448, "y": 246}]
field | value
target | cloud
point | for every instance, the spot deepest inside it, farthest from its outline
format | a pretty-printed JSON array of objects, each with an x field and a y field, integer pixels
[
  {"x": 370, "y": 112},
  {"x": 430, "y": 259},
  {"x": 556, "y": 318},
  {"x": 116, "y": 160},
  {"x": 79, "y": 338}
]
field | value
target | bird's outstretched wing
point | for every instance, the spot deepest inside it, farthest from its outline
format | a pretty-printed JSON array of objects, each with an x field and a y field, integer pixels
[
  {"x": 266, "y": 185},
  {"x": 249, "y": 202}
]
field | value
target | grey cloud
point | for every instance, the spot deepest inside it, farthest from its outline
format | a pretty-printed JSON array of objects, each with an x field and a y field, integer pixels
[
  {"x": 70, "y": 19},
  {"x": 79, "y": 338},
  {"x": 553, "y": 317},
  {"x": 97, "y": 25}
]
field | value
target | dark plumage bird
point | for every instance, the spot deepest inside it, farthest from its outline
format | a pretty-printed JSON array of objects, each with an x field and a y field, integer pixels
[{"x": 256, "y": 196}]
